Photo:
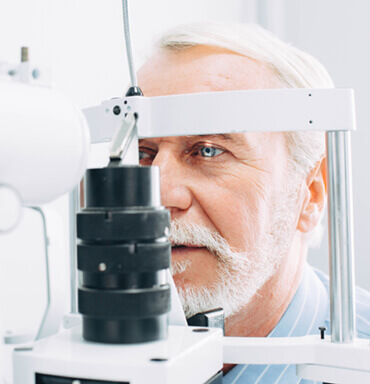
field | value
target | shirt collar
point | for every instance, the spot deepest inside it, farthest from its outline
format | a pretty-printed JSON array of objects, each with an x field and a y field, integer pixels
[{"x": 307, "y": 311}]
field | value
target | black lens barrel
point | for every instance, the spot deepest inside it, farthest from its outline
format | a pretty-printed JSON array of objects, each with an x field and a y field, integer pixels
[{"x": 122, "y": 252}]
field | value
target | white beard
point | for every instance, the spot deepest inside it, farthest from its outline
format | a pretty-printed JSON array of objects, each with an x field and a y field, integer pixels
[{"x": 239, "y": 275}]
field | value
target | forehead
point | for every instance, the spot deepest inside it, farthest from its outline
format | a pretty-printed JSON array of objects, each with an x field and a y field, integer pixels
[
  {"x": 208, "y": 69},
  {"x": 202, "y": 69}
]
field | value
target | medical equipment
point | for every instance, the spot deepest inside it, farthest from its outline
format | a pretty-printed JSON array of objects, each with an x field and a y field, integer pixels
[
  {"x": 67, "y": 358},
  {"x": 44, "y": 142},
  {"x": 122, "y": 254}
]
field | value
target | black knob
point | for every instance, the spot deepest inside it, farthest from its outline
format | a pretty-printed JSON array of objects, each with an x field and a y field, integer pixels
[
  {"x": 322, "y": 332},
  {"x": 116, "y": 109},
  {"x": 134, "y": 91}
]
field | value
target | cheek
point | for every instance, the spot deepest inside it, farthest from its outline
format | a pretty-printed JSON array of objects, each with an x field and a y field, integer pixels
[{"x": 238, "y": 210}]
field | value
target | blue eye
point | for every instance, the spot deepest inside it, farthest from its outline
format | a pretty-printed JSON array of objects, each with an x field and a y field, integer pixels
[
  {"x": 210, "y": 151},
  {"x": 143, "y": 155}
]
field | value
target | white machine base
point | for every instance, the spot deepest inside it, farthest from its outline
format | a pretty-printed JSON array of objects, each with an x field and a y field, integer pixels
[
  {"x": 189, "y": 355},
  {"x": 316, "y": 359},
  {"x": 332, "y": 374}
]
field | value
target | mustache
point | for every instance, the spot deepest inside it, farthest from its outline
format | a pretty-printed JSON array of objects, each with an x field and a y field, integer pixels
[
  {"x": 183, "y": 232},
  {"x": 179, "y": 266}
]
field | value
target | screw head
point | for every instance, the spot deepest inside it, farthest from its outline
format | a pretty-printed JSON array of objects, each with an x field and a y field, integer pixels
[
  {"x": 159, "y": 359},
  {"x": 102, "y": 267},
  {"x": 36, "y": 73},
  {"x": 116, "y": 109},
  {"x": 23, "y": 349},
  {"x": 200, "y": 330}
]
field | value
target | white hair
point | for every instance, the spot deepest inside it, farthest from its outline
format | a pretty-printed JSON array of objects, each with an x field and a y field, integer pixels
[
  {"x": 239, "y": 275},
  {"x": 290, "y": 67}
]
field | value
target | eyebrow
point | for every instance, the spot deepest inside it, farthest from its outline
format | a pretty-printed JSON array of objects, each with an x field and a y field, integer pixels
[
  {"x": 213, "y": 136},
  {"x": 234, "y": 140},
  {"x": 217, "y": 136},
  {"x": 220, "y": 136}
]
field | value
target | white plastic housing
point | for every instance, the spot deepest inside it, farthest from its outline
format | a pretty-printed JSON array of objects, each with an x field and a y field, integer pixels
[
  {"x": 185, "y": 357},
  {"x": 208, "y": 113},
  {"x": 44, "y": 142}
]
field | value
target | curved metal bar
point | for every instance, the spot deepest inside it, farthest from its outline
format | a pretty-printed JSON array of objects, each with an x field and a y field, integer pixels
[
  {"x": 130, "y": 56},
  {"x": 47, "y": 265}
]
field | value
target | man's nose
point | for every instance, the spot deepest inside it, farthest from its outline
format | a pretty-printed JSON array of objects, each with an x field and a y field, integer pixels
[{"x": 175, "y": 194}]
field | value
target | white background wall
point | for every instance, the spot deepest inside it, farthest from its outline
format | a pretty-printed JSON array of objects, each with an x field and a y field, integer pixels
[
  {"x": 82, "y": 41},
  {"x": 337, "y": 33}
]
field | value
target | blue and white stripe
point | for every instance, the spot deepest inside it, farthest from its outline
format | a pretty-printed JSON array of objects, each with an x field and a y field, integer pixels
[{"x": 309, "y": 309}]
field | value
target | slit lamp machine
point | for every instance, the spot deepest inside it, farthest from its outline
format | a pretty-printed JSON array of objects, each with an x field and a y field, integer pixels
[{"x": 128, "y": 325}]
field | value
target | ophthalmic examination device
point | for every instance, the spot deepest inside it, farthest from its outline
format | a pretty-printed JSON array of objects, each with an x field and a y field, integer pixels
[{"x": 128, "y": 325}]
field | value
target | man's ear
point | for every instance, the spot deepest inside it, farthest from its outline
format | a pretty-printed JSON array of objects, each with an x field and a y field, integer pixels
[{"x": 314, "y": 202}]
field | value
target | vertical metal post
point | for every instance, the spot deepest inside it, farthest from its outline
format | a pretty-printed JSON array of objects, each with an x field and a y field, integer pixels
[
  {"x": 74, "y": 207},
  {"x": 341, "y": 243}
]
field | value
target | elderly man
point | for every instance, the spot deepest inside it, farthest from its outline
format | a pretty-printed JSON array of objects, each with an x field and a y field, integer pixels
[{"x": 244, "y": 207}]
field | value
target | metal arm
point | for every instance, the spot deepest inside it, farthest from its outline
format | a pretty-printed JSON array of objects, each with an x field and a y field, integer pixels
[{"x": 242, "y": 111}]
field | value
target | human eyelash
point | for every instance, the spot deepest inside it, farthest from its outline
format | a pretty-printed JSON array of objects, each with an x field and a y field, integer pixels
[
  {"x": 194, "y": 151},
  {"x": 146, "y": 153}
]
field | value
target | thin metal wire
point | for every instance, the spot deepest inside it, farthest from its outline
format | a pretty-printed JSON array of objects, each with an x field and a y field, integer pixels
[
  {"x": 130, "y": 58},
  {"x": 47, "y": 268}
]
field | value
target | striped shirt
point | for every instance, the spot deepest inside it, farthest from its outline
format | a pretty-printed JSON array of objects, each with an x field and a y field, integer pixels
[{"x": 309, "y": 310}]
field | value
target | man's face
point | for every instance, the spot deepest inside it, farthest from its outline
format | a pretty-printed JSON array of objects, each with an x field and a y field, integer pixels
[{"x": 231, "y": 186}]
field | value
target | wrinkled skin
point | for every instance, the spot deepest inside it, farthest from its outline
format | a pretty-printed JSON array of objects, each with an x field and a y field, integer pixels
[{"x": 228, "y": 183}]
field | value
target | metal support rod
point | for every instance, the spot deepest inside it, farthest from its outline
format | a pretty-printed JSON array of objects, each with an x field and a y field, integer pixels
[
  {"x": 43, "y": 326},
  {"x": 127, "y": 32},
  {"x": 74, "y": 207},
  {"x": 341, "y": 242}
]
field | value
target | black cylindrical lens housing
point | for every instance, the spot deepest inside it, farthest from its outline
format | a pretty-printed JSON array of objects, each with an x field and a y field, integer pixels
[{"x": 122, "y": 252}]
